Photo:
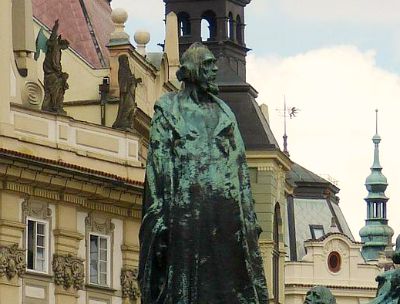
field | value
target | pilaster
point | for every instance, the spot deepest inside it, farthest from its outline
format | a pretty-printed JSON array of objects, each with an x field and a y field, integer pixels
[
  {"x": 5, "y": 62},
  {"x": 11, "y": 254},
  {"x": 68, "y": 269}
]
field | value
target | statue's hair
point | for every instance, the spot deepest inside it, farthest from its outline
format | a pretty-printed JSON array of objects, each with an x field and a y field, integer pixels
[
  {"x": 191, "y": 61},
  {"x": 325, "y": 294}
]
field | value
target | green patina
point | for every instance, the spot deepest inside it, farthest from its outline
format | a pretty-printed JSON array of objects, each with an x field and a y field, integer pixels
[
  {"x": 199, "y": 234},
  {"x": 388, "y": 288},
  {"x": 319, "y": 295},
  {"x": 376, "y": 234}
]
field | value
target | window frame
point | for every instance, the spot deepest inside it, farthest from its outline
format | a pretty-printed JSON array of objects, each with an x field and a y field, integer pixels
[
  {"x": 315, "y": 227},
  {"x": 46, "y": 246},
  {"x": 109, "y": 244}
]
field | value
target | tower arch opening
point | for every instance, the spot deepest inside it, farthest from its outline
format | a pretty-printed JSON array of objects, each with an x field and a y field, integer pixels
[
  {"x": 231, "y": 21},
  {"x": 184, "y": 24},
  {"x": 239, "y": 30},
  {"x": 208, "y": 26}
]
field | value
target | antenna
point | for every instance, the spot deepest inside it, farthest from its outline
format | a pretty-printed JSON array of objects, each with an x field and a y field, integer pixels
[
  {"x": 376, "y": 121},
  {"x": 285, "y": 137},
  {"x": 287, "y": 112}
]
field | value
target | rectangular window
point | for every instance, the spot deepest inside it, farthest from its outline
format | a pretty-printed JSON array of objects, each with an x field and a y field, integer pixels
[
  {"x": 99, "y": 251},
  {"x": 317, "y": 231},
  {"x": 37, "y": 245}
]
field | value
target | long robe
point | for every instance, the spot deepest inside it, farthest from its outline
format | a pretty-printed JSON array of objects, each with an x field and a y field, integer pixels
[{"x": 199, "y": 233}]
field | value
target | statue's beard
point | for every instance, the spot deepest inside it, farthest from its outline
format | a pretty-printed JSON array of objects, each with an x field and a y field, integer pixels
[{"x": 209, "y": 86}]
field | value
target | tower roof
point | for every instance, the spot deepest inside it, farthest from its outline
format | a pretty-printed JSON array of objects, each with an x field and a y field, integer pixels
[
  {"x": 376, "y": 182},
  {"x": 376, "y": 234}
]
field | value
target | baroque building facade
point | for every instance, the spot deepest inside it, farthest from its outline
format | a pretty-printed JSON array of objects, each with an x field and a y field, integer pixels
[{"x": 72, "y": 186}]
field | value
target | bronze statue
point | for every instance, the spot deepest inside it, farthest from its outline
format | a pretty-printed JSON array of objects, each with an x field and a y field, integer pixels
[
  {"x": 55, "y": 80},
  {"x": 127, "y": 92},
  {"x": 319, "y": 295},
  {"x": 389, "y": 282},
  {"x": 199, "y": 233}
]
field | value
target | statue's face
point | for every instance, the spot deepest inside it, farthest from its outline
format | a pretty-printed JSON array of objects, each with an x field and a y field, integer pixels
[
  {"x": 208, "y": 73},
  {"x": 313, "y": 297}
]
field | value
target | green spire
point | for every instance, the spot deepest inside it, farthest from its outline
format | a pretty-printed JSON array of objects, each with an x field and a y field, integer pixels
[{"x": 376, "y": 234}]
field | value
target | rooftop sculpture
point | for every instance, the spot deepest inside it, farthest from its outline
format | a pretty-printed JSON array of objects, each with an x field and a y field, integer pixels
[
  {"x": 55, "y": 80},
  {"x": 127, "y": 91}
]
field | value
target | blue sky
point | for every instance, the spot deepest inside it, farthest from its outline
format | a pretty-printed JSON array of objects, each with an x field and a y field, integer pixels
[{"x": 337, "y": 61}]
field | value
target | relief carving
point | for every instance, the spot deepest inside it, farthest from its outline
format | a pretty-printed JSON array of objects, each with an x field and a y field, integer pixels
[
  {"x": 36, "y": 209},
  {"x": 68, "y": 271},
  {"x": 129, "y": 283},
  {"x": 99, "y": 224},
  {"x": 12, "y": 261}
]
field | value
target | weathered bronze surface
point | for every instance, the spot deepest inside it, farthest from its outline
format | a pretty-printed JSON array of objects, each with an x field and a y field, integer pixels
[
  {"x": 55, "y": 80},
  {"x": 127, "y": 92},
  {"x": 319, "y": 295},
  {"x": 389, "y": 282},
  {"x": 199, "y": 234},
  {"x": 388, "y": 288}
]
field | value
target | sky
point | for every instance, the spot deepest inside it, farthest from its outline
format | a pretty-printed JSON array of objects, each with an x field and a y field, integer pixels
[{"x": 337, "y": 61}]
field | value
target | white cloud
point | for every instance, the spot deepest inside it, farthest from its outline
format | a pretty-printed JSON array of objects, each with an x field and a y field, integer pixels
[
  {"x": 337, "y": 90},
  {"x": 373, "y": 11}
]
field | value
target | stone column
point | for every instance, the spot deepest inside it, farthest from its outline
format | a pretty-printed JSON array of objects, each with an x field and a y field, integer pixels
[
  {"x": 5, "y": 62},
  {"x": 68, "y": 269},
  {"x": 11, "y": 230}
]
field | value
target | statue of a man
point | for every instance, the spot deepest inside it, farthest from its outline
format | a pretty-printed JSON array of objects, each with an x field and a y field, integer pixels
[
  {"x": 199, "y": 234},
  {"x": 55, "y": 80},
  {"x": 127, "y": 93},
  {"x": 319, "y": 295}
]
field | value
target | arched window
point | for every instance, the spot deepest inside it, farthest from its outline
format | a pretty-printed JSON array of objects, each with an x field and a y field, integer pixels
[
  {"x": 184, "y": 25},
  {"x": 275, "y": 252},
  {"x": 230, "y": 27},
  {"x": 239, "y": 30},
  {"x": 208, "y": 26}
]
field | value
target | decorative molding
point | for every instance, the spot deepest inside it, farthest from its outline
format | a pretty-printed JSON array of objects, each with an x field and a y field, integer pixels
[
  {"x": 68, "y": 271},
  {"x": 36, "y": 209},
  {"x": 98, "y": 223},
  {"x": 71, "y": 198},
  {"x": 129, "y": 283},
  {"x": 12, "y": 261}
]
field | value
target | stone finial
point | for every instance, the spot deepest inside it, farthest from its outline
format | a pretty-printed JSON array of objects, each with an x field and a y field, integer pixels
[
  {"x": 333, "y": 228},
  {"x": 141, "y": 38},
  {"x": 119, "y": 16},
  {"x": 172, "y": 44}
]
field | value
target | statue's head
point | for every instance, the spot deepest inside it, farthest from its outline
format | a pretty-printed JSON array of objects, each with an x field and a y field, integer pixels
[
  {"x": 198, "y": 67},
  {"x": 319, "y": 295}
]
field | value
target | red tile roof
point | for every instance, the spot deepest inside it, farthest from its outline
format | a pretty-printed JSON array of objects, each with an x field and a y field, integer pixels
[{"x": 86, "y": 24}]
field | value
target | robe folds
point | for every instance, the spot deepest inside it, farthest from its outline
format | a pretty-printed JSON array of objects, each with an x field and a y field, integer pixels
[{"x": 199, "y": 233}]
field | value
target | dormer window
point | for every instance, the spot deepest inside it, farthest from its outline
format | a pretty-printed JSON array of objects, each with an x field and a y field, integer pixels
[{"x": 317, "y": 231}]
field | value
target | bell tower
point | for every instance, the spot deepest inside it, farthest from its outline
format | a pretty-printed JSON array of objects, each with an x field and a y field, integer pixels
[{"x": 219, "y": 24}]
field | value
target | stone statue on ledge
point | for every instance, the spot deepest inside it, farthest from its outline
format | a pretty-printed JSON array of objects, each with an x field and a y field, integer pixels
[
  {"x": 199, "y": 233},
  {"x": 55, "y": 80},
  {"x": 319, "y": 295},
  {"x": 127, "y": 91}
]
